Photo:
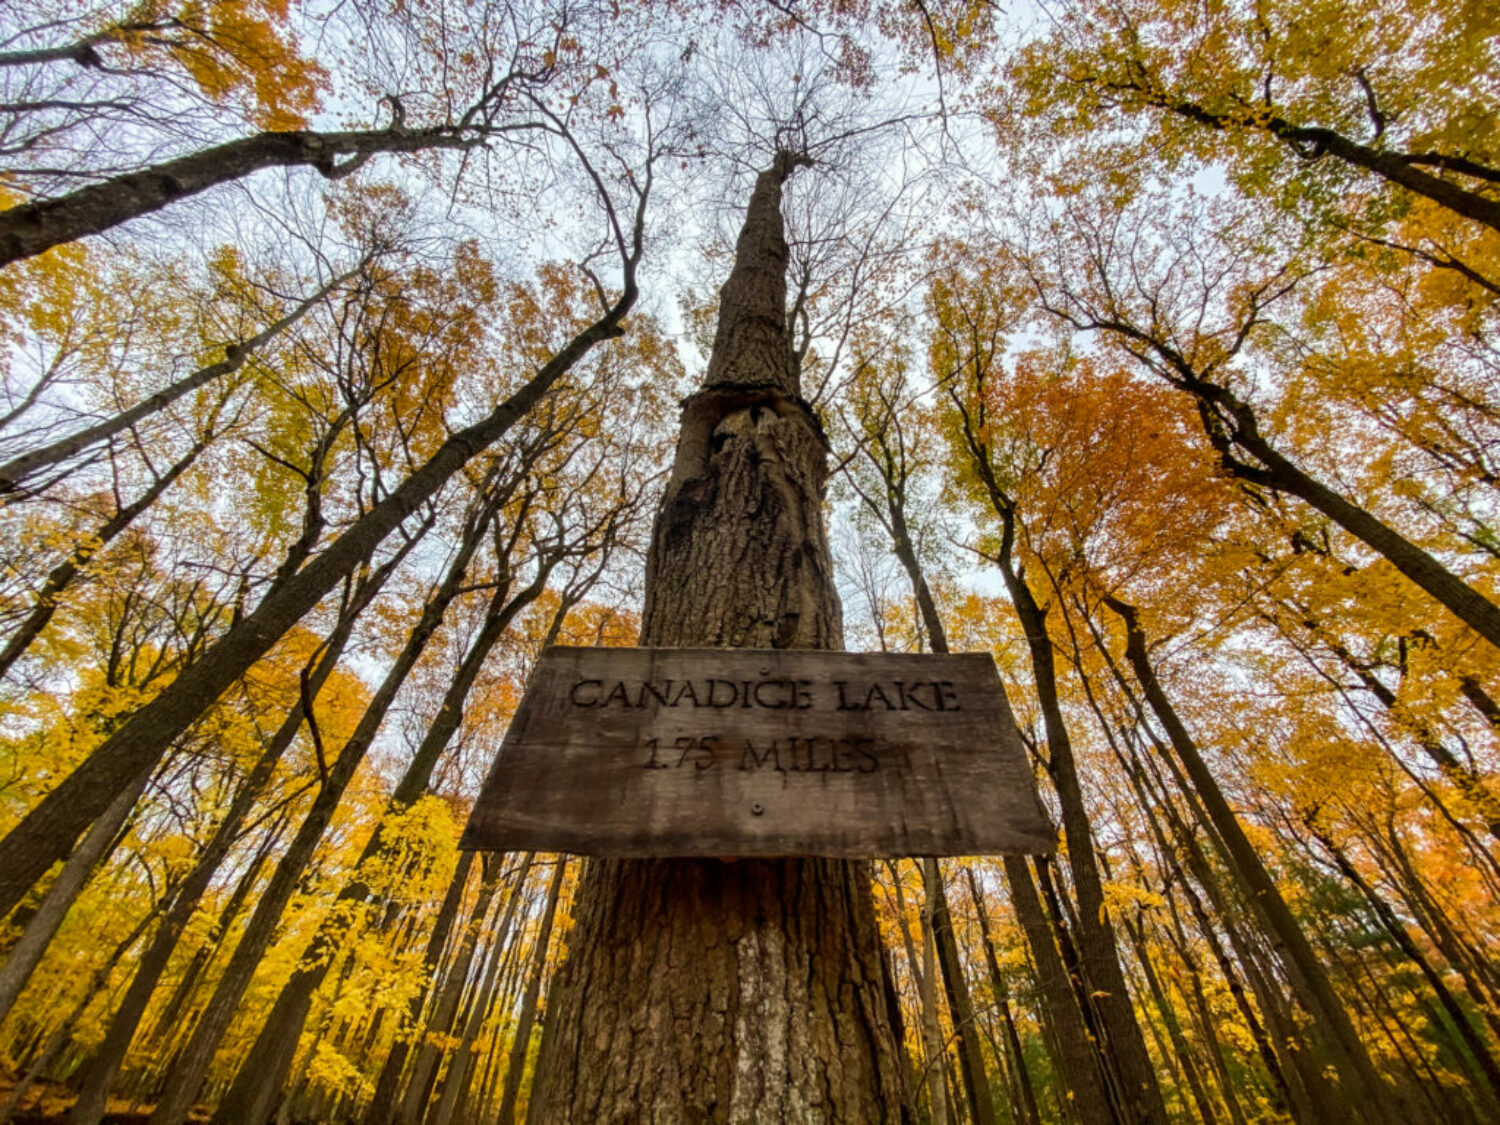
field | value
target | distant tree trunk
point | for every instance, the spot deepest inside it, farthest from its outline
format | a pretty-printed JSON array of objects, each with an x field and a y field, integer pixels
[
  {"x": 22, "y": 958},
  {"x": 1085, "y": 1089},
  {"x": 260, "y": 1077},
  {"x": 699, "y": 990},
  {"x": 1473, "y": 1041},
  {"x": 413, "y": 1104},
  {"x": 1124, "y": 1046},
  {"x": 1466, "y": 780},
  {"x": 101, "y": 1070},
  {"x": 932, "y": 1030},
  {"x": 1471, "y": 964},
  {"x": 960, "y": 1003},
  {"x": 527, "y": 1019},
  {"x": 460, "y": 1067},
  {"x": 171, "y": 1012},
  {"x": 1168, "y": 1013},
  {"x": 386, "y": 1099},
  {"x": 1363, "y": 1085},
  {"x": 1024, "y": 1107},
  {"x": 64, "y": 573},
  {"x": 64, "y": 1031},
  {"x": 192, "y": 1064}
]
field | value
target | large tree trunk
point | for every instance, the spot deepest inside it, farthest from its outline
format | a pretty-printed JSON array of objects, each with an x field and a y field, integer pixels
[{"x": 704, "y": 990}]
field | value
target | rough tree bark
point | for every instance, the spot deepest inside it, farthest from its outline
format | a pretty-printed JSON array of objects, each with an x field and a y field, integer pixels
[{"x": 704, "y": 990}]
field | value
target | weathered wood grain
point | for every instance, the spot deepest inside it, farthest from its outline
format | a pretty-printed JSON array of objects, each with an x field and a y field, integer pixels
[{"x": 740, "y": 752}]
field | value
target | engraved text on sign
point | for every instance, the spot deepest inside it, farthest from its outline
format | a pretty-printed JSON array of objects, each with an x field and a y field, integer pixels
[{"x": 754, "y": 752}]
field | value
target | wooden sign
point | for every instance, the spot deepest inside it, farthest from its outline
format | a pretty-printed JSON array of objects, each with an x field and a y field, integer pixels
[{"x": 760, "y": 752}]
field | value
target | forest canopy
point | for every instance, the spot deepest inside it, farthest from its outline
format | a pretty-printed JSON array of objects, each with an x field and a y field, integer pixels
[{"x": 1155, "y": 350}]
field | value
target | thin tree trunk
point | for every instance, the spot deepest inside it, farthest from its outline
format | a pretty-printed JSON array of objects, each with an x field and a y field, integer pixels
[
  {"x": 171, "y": 1012},
  {"x": 64, "y": 1031},
  {"x": 894, "y": 517},
  {"x": 1024, "y": 1107},
  {"x": 960, "y": 1003},
  {"x": 1364, "y": 1086},
  {"x": 1471, "y": 964},
  {"x": 32, "y": 228},
  {"x": 1168, "y": 1014},
  {"x": 62, "y": 575},
  {"x": 932, "y": 1032},
  {"x": 527, "y": 1019},
  {"x": 48, "y": 831},
  {"x": 1464, "y": 779},
  {"x": 1204, "y": 1017},
  {"x": 440, "y": 1026},
  {"x": 1084, "y": 1084},
  {"x": 23, "y": 957},
  {"x": 460, "y": 1067},
  {"x": 1473, "y": 1041},
  {"x": 761, "y": 979},
  {"x": 16, "y": 470},
  {"x": 105, "y": 1065},
  {"x": 1124, "y": 1046}
]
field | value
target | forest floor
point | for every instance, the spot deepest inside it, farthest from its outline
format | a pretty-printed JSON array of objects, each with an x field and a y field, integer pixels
[{"x": 48, "y": 1104}]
